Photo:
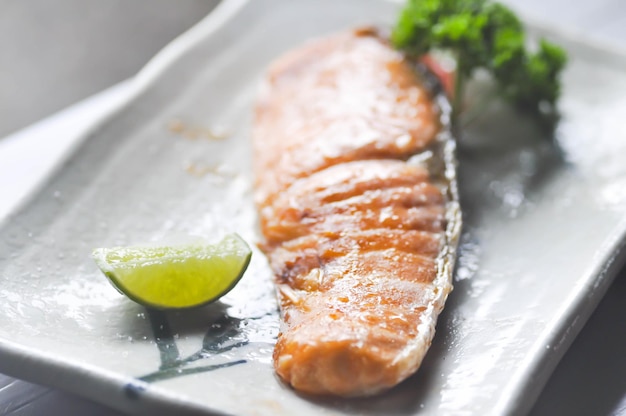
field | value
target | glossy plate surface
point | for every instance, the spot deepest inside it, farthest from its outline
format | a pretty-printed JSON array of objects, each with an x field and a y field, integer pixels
[{"x": 544, "y": 230}]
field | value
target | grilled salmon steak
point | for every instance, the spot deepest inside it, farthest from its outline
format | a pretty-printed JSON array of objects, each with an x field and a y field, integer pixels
[{"x": 358, "y": 229}]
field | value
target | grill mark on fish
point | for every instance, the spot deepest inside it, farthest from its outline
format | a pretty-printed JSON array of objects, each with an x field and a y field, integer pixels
[{"x": 292, "y": 225}]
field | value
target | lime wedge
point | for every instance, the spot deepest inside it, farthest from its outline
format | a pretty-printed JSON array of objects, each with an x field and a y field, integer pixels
[{"x": 175, "y": 277}]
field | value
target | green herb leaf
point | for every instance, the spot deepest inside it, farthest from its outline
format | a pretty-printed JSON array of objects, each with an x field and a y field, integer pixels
[{"x": 488, "y": 35}]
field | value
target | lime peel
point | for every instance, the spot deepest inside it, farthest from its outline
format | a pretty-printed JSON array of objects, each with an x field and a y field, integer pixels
[{"x": 176, "y": 277}]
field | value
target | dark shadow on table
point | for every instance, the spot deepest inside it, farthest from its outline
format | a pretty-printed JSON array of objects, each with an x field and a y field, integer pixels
[{"x": 591, "y": 378}]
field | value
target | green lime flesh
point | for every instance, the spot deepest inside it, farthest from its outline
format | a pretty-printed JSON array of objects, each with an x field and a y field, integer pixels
[{"x": 176, "y": 277}]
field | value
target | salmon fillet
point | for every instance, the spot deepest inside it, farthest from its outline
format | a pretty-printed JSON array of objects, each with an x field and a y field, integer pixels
[{"x": 354, "y": 232}]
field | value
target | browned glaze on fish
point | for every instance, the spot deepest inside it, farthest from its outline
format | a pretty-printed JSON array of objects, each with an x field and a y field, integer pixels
[{"x": 353, "y": 232}]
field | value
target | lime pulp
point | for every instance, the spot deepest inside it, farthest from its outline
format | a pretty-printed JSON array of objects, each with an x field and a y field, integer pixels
[{"x": 176, "y": 277}]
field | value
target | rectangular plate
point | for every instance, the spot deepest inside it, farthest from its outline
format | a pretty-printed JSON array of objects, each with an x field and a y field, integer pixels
[{"x": 544, "y": 234}]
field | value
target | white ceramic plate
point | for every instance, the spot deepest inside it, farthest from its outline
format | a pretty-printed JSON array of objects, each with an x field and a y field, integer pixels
[{"x": 544, "y": 232}]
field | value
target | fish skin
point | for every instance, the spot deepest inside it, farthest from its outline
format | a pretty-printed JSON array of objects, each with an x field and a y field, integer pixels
[{"x": 358, "y": 237}]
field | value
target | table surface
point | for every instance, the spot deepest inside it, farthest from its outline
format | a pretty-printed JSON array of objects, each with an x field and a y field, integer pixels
[{"x": 77, "y": 42}]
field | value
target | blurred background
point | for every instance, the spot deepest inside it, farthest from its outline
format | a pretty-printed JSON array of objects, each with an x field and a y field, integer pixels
[{"x": 55, "y": 53}]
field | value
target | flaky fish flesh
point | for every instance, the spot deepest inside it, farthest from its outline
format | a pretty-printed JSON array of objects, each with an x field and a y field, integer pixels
[{"x": 356, "y": 191}]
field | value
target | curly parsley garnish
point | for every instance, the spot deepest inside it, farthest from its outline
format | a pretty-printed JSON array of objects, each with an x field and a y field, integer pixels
[{"x": 484, "y": 34}]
